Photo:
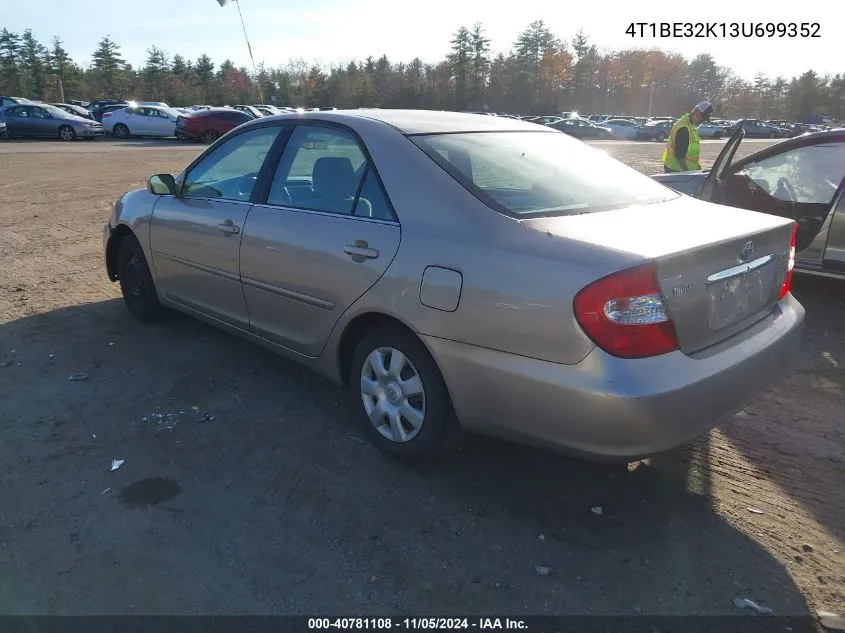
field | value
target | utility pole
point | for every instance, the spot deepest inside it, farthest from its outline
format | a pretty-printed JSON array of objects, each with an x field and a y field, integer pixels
[
  {"x": 61, "y": 87},
  {"x": 650, "y": 98},
  {"x": 249, "y": 47}
]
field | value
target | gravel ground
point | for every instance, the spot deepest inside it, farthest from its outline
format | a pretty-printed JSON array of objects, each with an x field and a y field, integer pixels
[{"x": 278, "y": 506}]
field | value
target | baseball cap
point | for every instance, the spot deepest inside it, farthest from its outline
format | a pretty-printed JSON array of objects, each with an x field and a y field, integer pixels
[{"x": 706, "y": 108}]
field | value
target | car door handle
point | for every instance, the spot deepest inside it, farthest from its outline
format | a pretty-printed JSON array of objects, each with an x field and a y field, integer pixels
[
  {"x": 360, "y": 250},
  {"x": 228, "y": 227}
]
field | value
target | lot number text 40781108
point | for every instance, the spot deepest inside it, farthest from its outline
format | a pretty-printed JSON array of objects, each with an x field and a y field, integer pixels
[
  {"x": 428, "y": 624},
  {"x": 724, "y": 29}
]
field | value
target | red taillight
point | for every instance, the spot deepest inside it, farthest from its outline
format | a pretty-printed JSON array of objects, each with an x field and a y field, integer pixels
[
  {"x": 787, "y": 280},
  {"x": 625, "y": 315}
]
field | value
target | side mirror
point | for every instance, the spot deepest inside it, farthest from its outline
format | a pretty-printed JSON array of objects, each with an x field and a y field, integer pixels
[{"x": 162, "y": 185}]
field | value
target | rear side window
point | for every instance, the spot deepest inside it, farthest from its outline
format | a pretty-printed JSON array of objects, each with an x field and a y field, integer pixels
[
  {"x": 372, "y": 201},
  {"x": 320, "y": 169}
]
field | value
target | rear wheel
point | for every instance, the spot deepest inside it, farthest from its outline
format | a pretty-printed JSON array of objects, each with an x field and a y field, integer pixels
[
  {"x": 661, "y": 136},
  {"x": 67, "y": 133},
  {"x": 772, "y": 135},
  {"x": 120, "y": 131},
  {"x": 401, "y": 395},
  {"x": 210, "y": 135},
  {"x": 717, "y": 135},
  {"x": 136, "y": 281}
]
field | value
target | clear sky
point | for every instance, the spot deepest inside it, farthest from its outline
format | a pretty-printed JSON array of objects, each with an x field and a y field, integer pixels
[{"x": 340, "y": 30}]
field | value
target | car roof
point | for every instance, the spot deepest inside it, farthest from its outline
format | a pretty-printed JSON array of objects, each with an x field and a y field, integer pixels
[{"x": 417, "y": 121}]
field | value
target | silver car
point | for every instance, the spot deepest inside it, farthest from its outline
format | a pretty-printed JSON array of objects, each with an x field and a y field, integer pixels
[
  {"x": 47, "y": 121},
  {"x": 459, "y": 271}
]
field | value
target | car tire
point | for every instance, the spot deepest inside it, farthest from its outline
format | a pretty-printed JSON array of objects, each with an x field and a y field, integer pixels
[
  {"x": 136, "y": 281},
  {"x": 717, "y": 135},
  {"x": 772, "y": 135},
  {"x": 661, "y": 136},
  {"x": 121, "y": 131},
  {"x": 210, "y": 135},
  {"x": 182, "y": 137},
  {"x": 423, "y": 412},
  {"x": 67, "y": 133}
]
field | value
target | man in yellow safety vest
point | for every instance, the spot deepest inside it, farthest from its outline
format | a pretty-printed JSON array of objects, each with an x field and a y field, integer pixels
[{"x": 683, "y": 147}]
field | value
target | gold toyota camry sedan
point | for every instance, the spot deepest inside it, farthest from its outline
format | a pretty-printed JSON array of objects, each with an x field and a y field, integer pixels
[{"x": 467, "y": 272}]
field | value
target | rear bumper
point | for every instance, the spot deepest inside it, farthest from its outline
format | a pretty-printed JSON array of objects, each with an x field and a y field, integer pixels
[{"x": 605, "y": 407}]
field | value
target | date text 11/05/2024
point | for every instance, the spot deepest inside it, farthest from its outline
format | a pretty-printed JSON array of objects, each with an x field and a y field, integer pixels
[
  {"x": 423, "y": 623},
  {"x": 724, "y": 29}
]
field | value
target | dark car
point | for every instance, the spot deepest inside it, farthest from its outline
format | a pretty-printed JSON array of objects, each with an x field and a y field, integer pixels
[
  {"x": 209, "y": 125},
  {"x": 46, "y": 121},
  {"x": 794, "y": 129},
  {"x": 74, "y": 110},
  {"x": 654, "y": 131},
  {"x": 754, "y": 128},
  {"x": 581, "y": 128},
  {"x": 97, "y": 108},
  {"x": 802, "y": 178}
]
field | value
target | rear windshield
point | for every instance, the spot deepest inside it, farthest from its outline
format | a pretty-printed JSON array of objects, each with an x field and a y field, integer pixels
[{"x": 536, "y": 174}]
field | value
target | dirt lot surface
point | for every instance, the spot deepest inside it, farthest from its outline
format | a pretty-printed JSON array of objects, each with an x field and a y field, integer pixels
[{"x": 278, "y": 505}]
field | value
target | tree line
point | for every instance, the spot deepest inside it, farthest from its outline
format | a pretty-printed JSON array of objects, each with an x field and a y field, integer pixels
[{"x": 541, "y": 74}]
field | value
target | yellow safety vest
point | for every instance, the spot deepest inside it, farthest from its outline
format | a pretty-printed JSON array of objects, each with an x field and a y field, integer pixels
[{"x": 693, "y": 151}]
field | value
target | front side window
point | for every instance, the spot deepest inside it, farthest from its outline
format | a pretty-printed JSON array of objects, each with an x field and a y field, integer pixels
[
  {"x": 535, "y": 174},
  {"x": 806, "y": 175},
  {"x": 230, "y": 171},
  {"x": 320, "y": 170}
]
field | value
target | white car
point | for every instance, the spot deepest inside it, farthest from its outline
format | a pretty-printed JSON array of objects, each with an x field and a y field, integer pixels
[
  {"x": 621, "y": 128},
  {"x": 141, "y": 121}
]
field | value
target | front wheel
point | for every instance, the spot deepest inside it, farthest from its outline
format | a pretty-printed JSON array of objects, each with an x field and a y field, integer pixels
[
  {"x": 772, "y": 135},
  {"x": 401, "y": 395},
  {"x": 67, "y": 133},
  {"x": 717, "y": 135},
  {"x": 661, "y": 136},
  {"x": 136, "y": 281}
]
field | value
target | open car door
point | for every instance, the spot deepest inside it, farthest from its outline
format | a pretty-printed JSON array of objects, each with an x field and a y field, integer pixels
[{"x": 711, "y": 188}]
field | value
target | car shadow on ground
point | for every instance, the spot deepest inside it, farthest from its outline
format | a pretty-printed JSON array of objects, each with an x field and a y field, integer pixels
[
  {"x": 281, "y": 506},
  {"x": 801, "y": 452}
]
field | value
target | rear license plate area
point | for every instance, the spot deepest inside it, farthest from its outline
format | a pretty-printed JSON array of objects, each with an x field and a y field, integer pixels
[{"x": 740, "y": 296}]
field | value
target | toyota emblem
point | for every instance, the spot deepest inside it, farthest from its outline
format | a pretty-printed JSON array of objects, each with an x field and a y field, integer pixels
[{"x": 747, "y": 251}]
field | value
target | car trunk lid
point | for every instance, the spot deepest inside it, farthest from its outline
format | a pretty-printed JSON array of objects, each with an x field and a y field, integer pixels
[{"x": 720, "y": 269}]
